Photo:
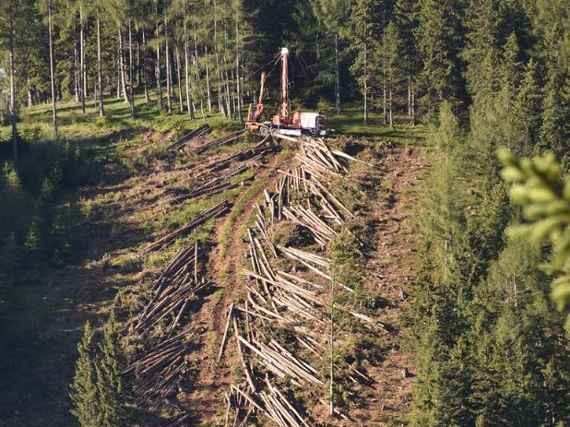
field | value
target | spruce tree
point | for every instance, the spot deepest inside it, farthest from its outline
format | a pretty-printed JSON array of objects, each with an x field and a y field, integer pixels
[
  {"x": 482, "y": 48},
  {"x": 555, "y": 127},
  {"x": 440, "y": 40},
  {"x": 84, "y": 392},
  {"x": 527, "y": 111},
  {"x": 362, "y": 34},
  {"x": 109, "y": 382},
  {"x": 540, "y": 188},
  {"x": 405, "y": 19}
]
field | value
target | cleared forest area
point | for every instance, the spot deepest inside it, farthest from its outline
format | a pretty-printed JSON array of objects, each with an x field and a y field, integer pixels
[{"x": 284, "y": 212}]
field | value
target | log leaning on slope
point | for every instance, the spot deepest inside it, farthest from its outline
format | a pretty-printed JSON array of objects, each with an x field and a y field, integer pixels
[
  {"x": 218, "y": 142},
  {"x": 201, "y": 131},
  {"x": 204, "y": 216}
]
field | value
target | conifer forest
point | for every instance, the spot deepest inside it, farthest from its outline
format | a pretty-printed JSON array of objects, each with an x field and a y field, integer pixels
[{"x": 284, "y": 213}]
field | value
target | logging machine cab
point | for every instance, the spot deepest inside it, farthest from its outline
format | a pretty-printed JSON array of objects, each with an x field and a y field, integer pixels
[{"x": 313, "y": 123}]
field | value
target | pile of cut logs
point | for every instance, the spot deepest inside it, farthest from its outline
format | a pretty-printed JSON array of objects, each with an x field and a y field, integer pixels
[
  {"x": 227, "y": 139},
  {"x": 160, "y": 370},
  {"x": 218, "y": 210},
  {"x": 174, "y": 290},
  {"x": 286, "y": 299},
  {"x": 196, "y": 133}
]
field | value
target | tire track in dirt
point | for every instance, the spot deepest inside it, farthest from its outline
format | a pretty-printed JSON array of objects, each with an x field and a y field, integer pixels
[{"x": 206, "y": 398}]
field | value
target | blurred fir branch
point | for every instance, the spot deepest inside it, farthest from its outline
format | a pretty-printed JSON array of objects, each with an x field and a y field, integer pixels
[{"x": 541, "y": 189}]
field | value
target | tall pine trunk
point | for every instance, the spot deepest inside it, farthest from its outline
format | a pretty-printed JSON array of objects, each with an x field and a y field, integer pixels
[
  {"x": 52, "y": 74},
  {"x": 157, "y": 69},
  {"x": 131, "y": 71},
  {"x": 100, "y": 68},
  {"x": 13, "y": 116},
  {"x": 143, "y": 65},
  {"x": 187, "y": 71},
  {"x": 208, "y": 88},
  {"x": 179, "y": 77},
  {"x": 168, "y": 71},
  {"x": 75, "y": 72},
  {"x": 221, "y": 108},
  {"x": 122, "y": 66},
  {"x": 82, "y": 93},
  {"x": 365, "y": 106},
  {"x": 337, "y": 74},
  {"x": 239, "y": 107}
]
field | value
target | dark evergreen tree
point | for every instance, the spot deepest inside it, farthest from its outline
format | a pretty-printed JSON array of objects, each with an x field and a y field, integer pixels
[
  {"x": 440, "y": 40},
  {"x": 109, "y": 382},
  {"x": 84, "y": 392}
]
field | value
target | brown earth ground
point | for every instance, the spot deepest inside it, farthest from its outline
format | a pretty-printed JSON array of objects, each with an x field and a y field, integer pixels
[{"x": 392, "y": 267}]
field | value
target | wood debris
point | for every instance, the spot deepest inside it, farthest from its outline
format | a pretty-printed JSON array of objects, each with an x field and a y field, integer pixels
[
  {"x": 218, "y": 210},
  {"x": 196, "y": 133},
  {"x": 199, "y": 149}
]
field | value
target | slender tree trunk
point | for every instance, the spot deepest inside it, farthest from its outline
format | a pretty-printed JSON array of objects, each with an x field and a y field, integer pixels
[
  {"x": 157, "y": 69},
  {"x": 144, "y": 71},
  {"x": 238, "y": 63},
  {"x": 82, "y": 57},
  {"x": 208, "y": 88},
  {"x": 138, "y": 58},
  {"x": 226, "y": 74},
  {"x": 197, "y": 72},
  {"x": 131, "y": 71},
  {"x": 365, "y": 112},
  {"x": 413, "y": 87},
  {"x": 75, "y": 72},
  {"x": 179, "y": 76},
  {"x": 122, "y": 66},
  {"x": 384, "y": 102},
  {"x": 409, "y": 105},
  {"x": 187, "y": 71},
  {"x": 218, "y": 69},
  {"x": 12, "y": 104},
  {"x": 337, "y": 74},
  {"x": 227, "y": 87},
  {"x": 118, "y": 74},
  {"x": 390, "y": 116},
  {"x": 168, "y": 71},
  {"x": 100, "y": 68},
  {"x": 52, "y": 74}
]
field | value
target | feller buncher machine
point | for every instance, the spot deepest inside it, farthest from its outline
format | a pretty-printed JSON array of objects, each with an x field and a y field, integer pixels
[{"x": 284, "y": 123}]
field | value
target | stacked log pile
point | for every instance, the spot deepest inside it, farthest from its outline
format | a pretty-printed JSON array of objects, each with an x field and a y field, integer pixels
[
  {"x": 209, "y": 187},
  {"x": 196, "y": 133},
  {"x": 278, "y": 299},
  {"x": 160, "y": 370},
  {"x": 218, "y": 210},
  {"x": 227, "y": 139}
]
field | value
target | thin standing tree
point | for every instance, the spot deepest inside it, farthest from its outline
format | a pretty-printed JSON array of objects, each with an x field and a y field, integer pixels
[
  {"x": 52, "y": 72},
  {"x": 100, "y": 63},
  {"x": 82, "y": 71}
]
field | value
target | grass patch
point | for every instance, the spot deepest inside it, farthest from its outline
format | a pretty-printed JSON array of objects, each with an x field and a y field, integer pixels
[{"x": 351, "y": 123}]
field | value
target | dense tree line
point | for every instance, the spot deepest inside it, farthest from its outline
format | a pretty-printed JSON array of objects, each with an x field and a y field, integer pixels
[{"x": 491, "y": 347}]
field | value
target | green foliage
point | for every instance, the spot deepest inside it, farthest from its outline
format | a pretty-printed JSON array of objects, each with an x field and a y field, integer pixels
[
  {"x": 489, "y": 348},
  {"x": 84, "y": 392},
  {"x": 109, "y": 382},
  {"x": 544, "y": 194},
  {"x": 97, "y": 385},
  {"x": 439, "y": 41}
]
